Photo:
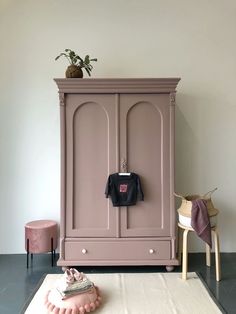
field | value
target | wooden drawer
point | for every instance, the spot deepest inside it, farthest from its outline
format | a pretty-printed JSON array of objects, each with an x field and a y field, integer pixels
[{"x": 117, "y": 250}]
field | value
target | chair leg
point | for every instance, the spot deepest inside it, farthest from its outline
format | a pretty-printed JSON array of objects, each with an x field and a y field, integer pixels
[
  {"x": 27, "y": 258},
  {"x": 180, "y": 244},
  {"x": 52, "y": 259},
  {"x": 208, "y": 255},
  {"x": 217, "y": 255},
  {"x": 185, "y": 255},
  {"x": 31, "y": 259}
]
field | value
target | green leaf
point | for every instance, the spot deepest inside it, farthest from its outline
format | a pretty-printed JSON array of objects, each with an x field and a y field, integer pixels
[
  {"x": 95, "y": 59},
  {"x": 61, "y": 54},
  {"x": 86, "y": 59},
  {"x": 72, "y": 54},
  {"x": 87, "y": 71},
  {"x": 80, "y": 58},
  {"x": 81, "y": 63}
]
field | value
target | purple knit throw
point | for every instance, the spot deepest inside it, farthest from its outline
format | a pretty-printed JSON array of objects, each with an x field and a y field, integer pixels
[{"x": 200, "y": 220}]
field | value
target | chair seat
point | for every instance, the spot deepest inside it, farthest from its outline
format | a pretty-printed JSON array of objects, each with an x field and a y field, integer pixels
[{"x": 186, "y": 221}]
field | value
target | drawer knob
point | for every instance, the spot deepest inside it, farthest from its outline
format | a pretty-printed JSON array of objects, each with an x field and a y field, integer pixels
[
  {"x": 84, "y": 251},
  {"x": 151, "y": 251}
]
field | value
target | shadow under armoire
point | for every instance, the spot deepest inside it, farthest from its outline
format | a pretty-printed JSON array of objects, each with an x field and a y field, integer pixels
[{"x": 108, "y": 126}]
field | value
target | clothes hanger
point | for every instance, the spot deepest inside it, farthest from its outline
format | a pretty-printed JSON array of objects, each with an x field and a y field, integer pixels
[{"x": 124, "y": 168}]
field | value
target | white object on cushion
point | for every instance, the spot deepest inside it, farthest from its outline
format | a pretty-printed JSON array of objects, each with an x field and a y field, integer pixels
[{"x": 186, "y": 221}]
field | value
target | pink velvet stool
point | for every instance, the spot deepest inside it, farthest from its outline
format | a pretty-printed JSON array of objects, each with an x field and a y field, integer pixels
[{"x": 40, "y": 237}]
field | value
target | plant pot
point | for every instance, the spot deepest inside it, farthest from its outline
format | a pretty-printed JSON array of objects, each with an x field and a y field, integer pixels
[
  {"x": 185, "y": 208},
  {"x": 186, "y": 205},
  {"x": 74, "y": 71}
]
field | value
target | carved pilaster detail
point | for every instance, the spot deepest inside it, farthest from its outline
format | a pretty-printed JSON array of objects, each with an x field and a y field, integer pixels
[
  {"x": 62, "y": 248},
  {"x": 172, "y": 99},
  {"x": 62, "y": 99}
]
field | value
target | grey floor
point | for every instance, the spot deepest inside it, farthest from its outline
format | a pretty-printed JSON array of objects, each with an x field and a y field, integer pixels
[{"x": 18, "y": 283}]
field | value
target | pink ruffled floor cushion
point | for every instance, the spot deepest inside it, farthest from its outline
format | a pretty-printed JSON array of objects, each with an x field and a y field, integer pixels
[{"x": 74, "y": 293}]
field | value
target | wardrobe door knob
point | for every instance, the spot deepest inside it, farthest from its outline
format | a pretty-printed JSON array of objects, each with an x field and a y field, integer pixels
[
  {"x": 151, "y": 251},
  {"x": 84, "y": 251}
]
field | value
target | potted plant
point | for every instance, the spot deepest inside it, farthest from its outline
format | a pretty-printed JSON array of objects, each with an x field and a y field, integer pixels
[{"x": 76, "y": 64}]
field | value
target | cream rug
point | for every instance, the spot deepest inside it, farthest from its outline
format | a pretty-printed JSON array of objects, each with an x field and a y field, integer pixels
[{"x": 141, "y": 293}]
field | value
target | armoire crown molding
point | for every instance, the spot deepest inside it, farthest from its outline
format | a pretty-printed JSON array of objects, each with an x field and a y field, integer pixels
[{"x": 117, "y": 85}]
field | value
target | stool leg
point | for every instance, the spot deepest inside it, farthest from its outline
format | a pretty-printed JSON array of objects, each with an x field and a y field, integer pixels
[
  {"x": 31, "y": 257},
  {"x": 180, "y": 242},
  {"x": 217, "y": 255},
  {"x": 27, "y": 247},
  {"x": 52, "y": 251},
  {"x": 185, "y": 255},
  {"x": 208, "y": 255}
]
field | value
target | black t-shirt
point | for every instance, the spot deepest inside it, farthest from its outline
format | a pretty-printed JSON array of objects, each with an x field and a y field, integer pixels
[{"x": 124, "y": 190}]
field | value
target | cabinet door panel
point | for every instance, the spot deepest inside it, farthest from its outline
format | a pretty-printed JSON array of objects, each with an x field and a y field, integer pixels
[
  {"x": 91, "y": 156},
  {"x": 145, "y": 143}
]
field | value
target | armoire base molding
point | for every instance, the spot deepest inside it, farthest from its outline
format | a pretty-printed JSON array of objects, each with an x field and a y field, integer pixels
[
  {"x": 109, "y": 252},
  {"x": 166, "y": 263}
]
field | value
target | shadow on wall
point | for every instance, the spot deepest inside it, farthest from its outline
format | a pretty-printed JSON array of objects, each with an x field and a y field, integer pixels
[
  {"x": 201, "y": 135},
  {"x": 186, "y": 146}
]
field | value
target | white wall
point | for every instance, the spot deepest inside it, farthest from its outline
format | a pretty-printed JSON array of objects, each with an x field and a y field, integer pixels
[{"x": 194, "y": 40}]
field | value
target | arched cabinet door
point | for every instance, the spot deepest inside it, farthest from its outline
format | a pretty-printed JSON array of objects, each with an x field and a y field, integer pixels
[
  {"x": 90, "y": 157},
  {"x": 145, "y": 144}
]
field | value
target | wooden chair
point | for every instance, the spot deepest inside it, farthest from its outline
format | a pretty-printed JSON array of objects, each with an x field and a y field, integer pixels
[{"x": 183, "y": 246}]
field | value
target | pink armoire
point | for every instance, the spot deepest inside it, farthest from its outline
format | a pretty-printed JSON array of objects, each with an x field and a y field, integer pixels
[{"x": 109, "y": 126}]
